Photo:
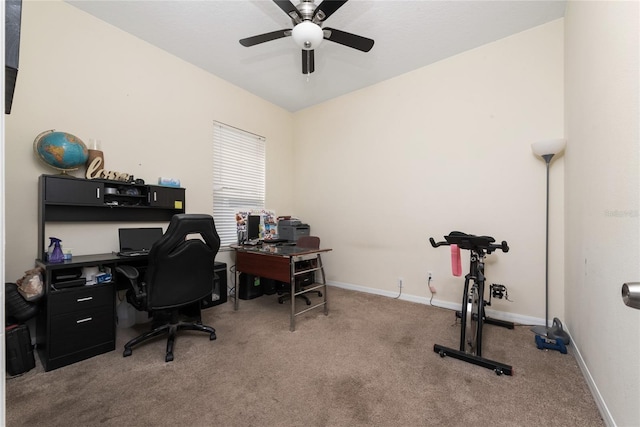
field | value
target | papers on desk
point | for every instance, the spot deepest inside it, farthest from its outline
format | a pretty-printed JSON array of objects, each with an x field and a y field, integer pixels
[{"x": 268, "y": 223}]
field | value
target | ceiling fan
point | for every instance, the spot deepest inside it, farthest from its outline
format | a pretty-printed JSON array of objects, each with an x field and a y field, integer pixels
[{"x": 307, "y": 32}]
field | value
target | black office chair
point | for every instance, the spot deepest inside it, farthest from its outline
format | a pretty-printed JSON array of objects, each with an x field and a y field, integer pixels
[
  {"x": 302, "y": 280},
  {"x": 180, "y": 273}
]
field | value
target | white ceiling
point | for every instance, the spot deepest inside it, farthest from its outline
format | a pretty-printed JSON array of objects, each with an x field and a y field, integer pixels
[{"x": 408, "y": 35}]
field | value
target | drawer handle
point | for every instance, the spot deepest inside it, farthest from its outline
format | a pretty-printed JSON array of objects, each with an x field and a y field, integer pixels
[
  {"x": 84, "y": 299},
  {"x": 88, "y": 319}
]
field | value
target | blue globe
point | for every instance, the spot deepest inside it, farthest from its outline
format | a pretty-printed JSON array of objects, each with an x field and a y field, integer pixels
[{"x": 60, "y": 150}]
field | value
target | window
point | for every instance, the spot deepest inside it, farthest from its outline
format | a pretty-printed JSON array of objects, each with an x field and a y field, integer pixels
[{"x": 238, "y": 177}]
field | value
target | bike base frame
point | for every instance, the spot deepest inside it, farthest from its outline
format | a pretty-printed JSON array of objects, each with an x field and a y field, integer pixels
[{"x": 497, "y": 367}]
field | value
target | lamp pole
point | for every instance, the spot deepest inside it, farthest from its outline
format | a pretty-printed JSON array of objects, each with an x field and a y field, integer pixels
[
  {"x": 547, "y": 149},
  {"x": 547, "y": 158}
]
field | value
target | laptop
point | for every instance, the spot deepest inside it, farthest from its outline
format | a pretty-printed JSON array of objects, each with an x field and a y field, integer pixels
[{"x": 138, "y": 241}]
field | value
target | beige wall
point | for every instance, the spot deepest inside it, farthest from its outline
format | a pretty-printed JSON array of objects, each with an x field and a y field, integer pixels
[
  {"x": 445, "y": 147},
  {"x": 602, "y": 199},
  {"x": 152, "y": 112}
]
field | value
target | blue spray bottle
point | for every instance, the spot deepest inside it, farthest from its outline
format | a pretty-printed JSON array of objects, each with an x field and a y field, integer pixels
[{"x": 56, "y": 254}]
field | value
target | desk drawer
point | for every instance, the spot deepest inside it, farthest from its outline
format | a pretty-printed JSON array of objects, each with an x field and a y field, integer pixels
[
  {"x": 82, "y": 298},
  {"x": 81, "y": 330}
]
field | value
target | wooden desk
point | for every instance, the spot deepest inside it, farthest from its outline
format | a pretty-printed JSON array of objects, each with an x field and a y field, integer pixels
[{"x": 278, "y": 263}]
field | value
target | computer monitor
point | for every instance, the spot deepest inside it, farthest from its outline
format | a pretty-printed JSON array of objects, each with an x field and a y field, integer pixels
[{"x": 253, "y": 227}]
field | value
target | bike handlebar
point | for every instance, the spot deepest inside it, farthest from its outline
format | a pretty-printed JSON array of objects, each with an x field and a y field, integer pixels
[
  {"x": 435, "y": 245},
  {"x": 470, "y": 242}
]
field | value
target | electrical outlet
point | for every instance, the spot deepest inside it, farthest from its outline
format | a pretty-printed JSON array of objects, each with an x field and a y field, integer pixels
[
  {"x": 400, "y": 282},
  {"x": 432, "y": 287}
]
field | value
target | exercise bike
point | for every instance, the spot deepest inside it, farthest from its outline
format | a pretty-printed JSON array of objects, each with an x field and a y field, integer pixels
[{"x": 472, "y": 313}]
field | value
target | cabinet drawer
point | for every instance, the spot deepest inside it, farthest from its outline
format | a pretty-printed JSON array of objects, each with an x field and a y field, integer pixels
[
  {"x": 81, "y": 330},
  {"x": 83, "y": 298}
]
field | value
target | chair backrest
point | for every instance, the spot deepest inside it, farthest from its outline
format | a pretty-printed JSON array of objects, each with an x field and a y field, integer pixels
[
  {"x": 312, "y": 242},
  {"x": 181, "y": 263}
]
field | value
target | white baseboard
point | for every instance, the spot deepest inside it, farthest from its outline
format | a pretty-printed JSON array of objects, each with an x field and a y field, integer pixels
[
  {"x": 600, "y": 403},
  {"x": 510, "y": 317},
  {"x": 499, "y": 315}
]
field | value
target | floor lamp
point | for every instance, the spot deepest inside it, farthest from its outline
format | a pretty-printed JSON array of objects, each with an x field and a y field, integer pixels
[{"x": 547, "y": 149}]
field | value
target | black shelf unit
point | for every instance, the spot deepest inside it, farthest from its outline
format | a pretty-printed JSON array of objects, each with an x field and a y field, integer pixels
[{"x": 62, "y": 198}]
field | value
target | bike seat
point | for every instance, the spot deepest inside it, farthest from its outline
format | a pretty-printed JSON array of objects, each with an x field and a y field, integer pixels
[{"x": 469, "y": 241}]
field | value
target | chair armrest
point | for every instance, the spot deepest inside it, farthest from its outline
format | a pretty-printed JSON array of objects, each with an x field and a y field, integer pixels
[
  {"x": 128, "y": 271},
  {"x": 137, "y": 293}
]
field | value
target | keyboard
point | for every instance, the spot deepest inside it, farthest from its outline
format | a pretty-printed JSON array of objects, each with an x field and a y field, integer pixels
[{"x": 132, "y": 254}]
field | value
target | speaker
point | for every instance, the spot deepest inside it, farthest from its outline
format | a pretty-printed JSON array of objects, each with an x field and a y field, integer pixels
[
  {"x": 12, "y": 20},
  {"x": 219, "y": 295}
]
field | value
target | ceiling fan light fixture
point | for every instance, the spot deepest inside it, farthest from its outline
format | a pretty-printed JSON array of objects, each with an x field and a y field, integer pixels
[{"x": 307, "y": 35}]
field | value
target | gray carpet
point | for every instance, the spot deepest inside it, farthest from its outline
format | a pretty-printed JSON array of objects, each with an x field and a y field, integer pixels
[{"x": 370, "y": 362}]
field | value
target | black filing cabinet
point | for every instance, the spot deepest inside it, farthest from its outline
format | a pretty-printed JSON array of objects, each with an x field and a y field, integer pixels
[{"x": 75, "y": 323}]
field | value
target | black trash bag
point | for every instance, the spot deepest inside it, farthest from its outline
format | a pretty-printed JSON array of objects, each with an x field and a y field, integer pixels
[{"x": 16, "y": 308}]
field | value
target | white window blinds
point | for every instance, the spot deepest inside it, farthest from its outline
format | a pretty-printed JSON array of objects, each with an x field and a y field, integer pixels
[{"x": 238, "y": 177}]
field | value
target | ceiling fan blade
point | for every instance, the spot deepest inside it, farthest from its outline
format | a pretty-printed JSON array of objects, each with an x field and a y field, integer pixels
[
  {"x": 261, "y": 38},
  {"x": 347, "y": 39},
  {"x": 326, "y": 9},
  {"x": 308, "y": 65},
  {"x": 289, "y": 9}
]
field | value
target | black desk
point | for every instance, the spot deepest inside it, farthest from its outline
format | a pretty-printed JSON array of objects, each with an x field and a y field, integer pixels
[{"x": 77, "y": 323}]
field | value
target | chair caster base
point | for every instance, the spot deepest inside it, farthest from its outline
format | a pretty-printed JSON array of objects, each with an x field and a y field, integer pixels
[{"x": 170, "y": 329}]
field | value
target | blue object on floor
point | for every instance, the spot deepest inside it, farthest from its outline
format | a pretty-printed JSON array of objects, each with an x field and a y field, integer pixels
[{"x": 558, "y": 344}]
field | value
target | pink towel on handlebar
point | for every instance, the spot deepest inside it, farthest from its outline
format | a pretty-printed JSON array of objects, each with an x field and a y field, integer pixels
[{"x": 456, "y": 264}]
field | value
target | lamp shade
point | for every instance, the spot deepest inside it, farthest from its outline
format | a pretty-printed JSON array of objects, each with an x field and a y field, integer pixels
[
  {"x": 548, "y": 146},
  {"x": 307, "y": 35}
]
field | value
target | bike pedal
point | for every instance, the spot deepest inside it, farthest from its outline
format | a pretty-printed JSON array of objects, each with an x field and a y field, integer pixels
[{"x": 498, "y": 290}]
